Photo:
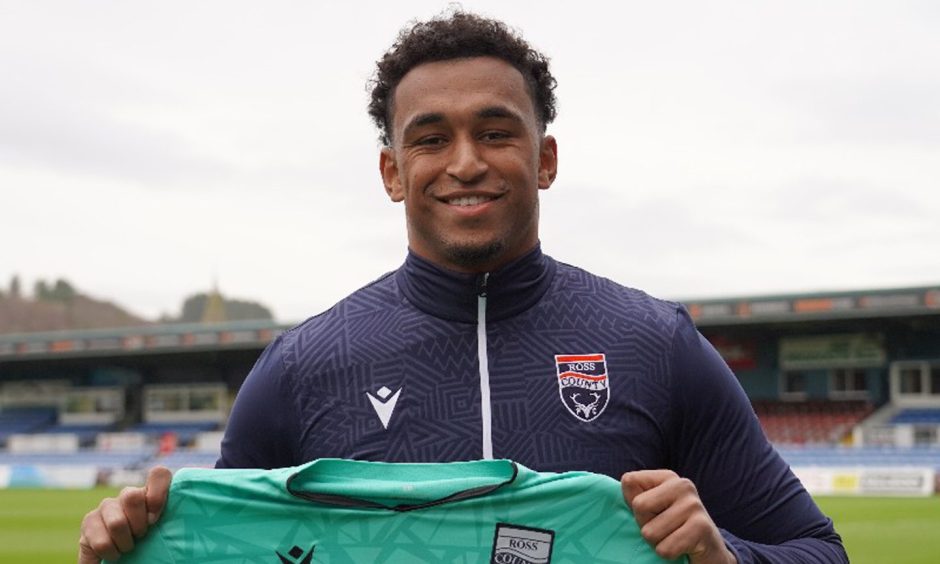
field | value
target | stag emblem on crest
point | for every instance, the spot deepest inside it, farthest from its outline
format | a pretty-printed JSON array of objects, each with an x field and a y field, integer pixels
[{"x": 583, "y": 384}]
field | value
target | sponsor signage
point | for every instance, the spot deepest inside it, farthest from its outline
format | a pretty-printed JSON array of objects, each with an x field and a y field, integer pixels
[
  {"x": 79, "y": 476},
  {"x": 828, "y": 351},
  {"x": 874, "y": 481}
]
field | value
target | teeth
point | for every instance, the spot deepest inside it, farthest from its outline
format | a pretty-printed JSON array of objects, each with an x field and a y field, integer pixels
[{"x": 469, "y": 200}]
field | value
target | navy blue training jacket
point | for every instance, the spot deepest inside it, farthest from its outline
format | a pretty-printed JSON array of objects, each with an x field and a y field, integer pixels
[{"x": 539, "y": 362}]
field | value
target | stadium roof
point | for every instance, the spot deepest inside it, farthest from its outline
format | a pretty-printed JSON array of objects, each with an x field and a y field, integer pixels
[
  {"x": 162, "y": 338},
  {"x": 872, "y": 304},
  {"x": 149, "y": 339}
]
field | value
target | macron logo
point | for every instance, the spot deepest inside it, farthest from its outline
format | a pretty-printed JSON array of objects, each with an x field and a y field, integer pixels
[{"x": 384, "y": 405}]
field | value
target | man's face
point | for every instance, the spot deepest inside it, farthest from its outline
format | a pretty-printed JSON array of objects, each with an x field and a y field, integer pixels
[{"x": 467, "y": 159}]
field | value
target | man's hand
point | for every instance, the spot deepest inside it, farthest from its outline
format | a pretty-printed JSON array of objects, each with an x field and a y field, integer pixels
[
  {"x": 110, "y": 530},
  {"x": 672, "y": 517}
]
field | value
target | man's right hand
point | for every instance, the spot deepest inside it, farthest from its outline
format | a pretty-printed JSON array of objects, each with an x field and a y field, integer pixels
[{"x": 111, "y": 529}]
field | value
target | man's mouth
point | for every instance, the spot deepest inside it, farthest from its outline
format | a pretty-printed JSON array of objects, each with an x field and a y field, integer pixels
[{"x": 464, "y": 201}]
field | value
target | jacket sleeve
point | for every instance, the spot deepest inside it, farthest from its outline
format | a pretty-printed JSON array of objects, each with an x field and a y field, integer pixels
[
  {"x": 762, "y": 509},
  {"x": 261, "y": 430}
]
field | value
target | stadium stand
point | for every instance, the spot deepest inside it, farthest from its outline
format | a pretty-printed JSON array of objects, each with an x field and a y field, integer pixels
[
  {"x": 101, "y": 460},
  {"x": 837, "y": 379},
  {"x": 810, "y": 422},
  {"x": 87, "y": 434},
  {"x": 185, "y": 432},
  {"x": 917, "y": 415},
  {"x": 25, "y": 420},
  {"x": 864, "y": 456},
  {"x": 187, "y": 459}
]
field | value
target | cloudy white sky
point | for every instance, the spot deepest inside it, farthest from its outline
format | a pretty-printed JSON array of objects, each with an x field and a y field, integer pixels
[{"x": 732, "y": 148}]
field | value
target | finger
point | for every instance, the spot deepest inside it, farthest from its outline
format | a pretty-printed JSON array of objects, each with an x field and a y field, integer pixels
[
  {"x": 658, "y": 499},
  {"x": 637, "y": 482},
  {"x": 116, "y": 524},
  {"x": 693, "y": 538},
  {"x": 86, "y": 554},
  {"x": 95, "y": 542},
  {"x": 134, "y": 503},
  {"x": 670, "y": 519},
  {"x": 158, "y": 487}
]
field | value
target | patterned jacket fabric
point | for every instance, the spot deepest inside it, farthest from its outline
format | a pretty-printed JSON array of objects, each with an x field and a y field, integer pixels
[{"x": 580, "y": 373}]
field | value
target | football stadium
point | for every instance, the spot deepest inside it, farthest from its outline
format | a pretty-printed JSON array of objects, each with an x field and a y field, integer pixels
[{"x": 846, "y": 385}]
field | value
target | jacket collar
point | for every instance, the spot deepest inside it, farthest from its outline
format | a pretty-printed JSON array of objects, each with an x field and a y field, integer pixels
[{"x": 451, "y": 295}]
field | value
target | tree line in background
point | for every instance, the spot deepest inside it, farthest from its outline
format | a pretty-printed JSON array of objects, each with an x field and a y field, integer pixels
[
  {"x": 59, "y": 291},
  {"x": 196, "y": 307},
  {"x": 58, "y": 305}
]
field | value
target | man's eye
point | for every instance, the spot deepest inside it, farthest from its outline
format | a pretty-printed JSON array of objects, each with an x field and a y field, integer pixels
[
  {"x": 430, "y": 141},
  {"x": 494, "y": 135}
]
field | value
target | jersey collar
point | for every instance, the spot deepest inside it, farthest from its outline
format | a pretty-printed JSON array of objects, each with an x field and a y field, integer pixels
[
  {"x": 451, "y": 295},
  {"x": 397, "y": 486}
]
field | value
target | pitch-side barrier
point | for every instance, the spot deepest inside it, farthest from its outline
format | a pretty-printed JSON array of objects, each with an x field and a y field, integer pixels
[{"x": 867, "y": 481}]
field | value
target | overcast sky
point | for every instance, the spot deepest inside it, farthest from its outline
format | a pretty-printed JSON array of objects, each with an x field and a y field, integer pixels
[{"x": 147, "y": 148}]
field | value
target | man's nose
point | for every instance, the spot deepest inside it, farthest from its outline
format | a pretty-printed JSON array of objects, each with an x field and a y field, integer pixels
[{"x": 466, "y": 163}]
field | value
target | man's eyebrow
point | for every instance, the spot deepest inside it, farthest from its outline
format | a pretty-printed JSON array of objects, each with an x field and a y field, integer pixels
[
  {"x": 499, "y": 112},
  {"x": 423, "y": 119},
  {"x": 430, "y": 118}
]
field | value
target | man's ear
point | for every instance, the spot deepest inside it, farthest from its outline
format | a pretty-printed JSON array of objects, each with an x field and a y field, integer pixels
[
  {"x": 388, "y": 167},
  {"x": 548, "y": 162}
]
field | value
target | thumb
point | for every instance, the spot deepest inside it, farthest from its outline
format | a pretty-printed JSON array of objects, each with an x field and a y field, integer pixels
[{"x": 158, "y": 487}]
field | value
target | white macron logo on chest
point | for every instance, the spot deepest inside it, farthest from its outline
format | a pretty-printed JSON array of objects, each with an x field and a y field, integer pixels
[{"x": 384, "y": 405}]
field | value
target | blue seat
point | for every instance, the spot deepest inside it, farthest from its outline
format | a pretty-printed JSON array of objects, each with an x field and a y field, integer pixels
[
  {"x": 914, "y": 415},
  {"x": 866, "y": 456}
]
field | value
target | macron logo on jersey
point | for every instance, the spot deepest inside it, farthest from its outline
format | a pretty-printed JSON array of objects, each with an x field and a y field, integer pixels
[
  {"x": 296, "y": 555},
  {"x": 384, "y": 405},
  {"x": 583, "y": 384}
]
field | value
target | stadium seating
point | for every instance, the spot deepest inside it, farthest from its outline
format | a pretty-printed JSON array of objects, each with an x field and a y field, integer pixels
[
  {"x": 917, "y": 415},
  {"x": 25, "y": 420},
  {"x": 86, "y": 433},
  {"x": 187, "y": 459},
  {"x": 805, "y": 433},
  {"x": 810, "y": 422},
  {"x": 102, "y": 460},
  {"x": 866, "y": 456},
  {"x": 185, "y": 432}
]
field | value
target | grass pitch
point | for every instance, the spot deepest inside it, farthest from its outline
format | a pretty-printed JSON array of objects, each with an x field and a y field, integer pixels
[
  {"x": 42, "y": 526},
  {"x": 887, "y": 530}
]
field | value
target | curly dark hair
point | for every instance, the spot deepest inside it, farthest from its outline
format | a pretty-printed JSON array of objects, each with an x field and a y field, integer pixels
[{"x": 455, "y": 36}]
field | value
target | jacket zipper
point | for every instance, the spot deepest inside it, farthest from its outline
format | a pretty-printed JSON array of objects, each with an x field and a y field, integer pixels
[{"x": 485, "y": 408}]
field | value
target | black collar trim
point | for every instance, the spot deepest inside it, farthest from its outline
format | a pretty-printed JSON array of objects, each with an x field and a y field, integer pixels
[{"x": 358, "y": 503}]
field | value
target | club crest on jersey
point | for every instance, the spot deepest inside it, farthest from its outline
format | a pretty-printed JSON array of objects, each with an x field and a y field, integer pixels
[
  {"x": 583, "y": 384},
  {"x": 515, "y": 544}
]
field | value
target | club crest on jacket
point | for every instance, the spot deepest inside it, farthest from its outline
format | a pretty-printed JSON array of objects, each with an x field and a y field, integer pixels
[{"x": 583, "y": 384}]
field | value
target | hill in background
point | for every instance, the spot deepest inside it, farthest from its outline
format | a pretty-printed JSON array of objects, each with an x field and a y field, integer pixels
[{"x": 60, "y": 306}]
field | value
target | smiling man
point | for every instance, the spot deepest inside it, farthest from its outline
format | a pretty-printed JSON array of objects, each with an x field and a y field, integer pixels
[
  {"x": 467, "y": 157},
  {"x": 481, "y": 346}
]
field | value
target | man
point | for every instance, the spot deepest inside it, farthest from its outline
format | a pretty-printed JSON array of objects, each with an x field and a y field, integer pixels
[{"x": 480, "y": 346}]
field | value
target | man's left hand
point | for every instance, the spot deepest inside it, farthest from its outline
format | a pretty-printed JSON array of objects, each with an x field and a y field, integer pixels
[{"x": 672, "y": 517}]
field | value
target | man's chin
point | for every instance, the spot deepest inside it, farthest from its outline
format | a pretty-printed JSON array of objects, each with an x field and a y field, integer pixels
[{"x": 475, "y": 257}]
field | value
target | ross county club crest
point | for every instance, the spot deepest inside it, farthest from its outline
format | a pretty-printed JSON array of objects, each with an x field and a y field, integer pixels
[{"x": 583, "y": 384}]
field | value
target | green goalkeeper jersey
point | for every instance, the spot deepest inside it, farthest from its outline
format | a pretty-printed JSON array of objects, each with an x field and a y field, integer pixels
[{"x": 343, "y": 511}]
